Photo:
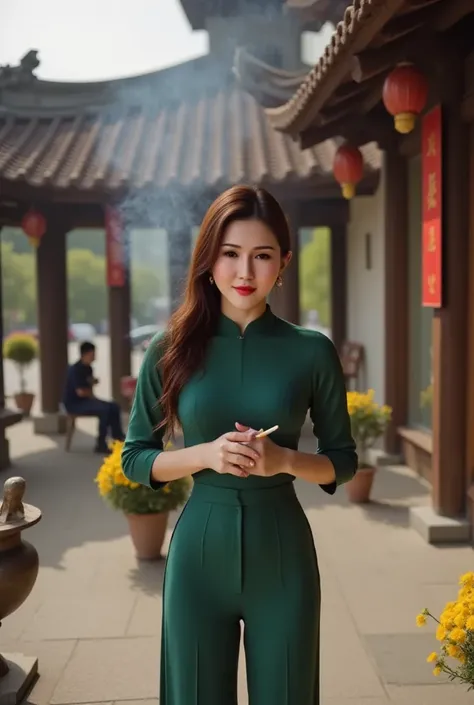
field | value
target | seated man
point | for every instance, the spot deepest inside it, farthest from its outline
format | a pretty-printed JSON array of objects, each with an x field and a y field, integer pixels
[{"x": 79, "y": 398}]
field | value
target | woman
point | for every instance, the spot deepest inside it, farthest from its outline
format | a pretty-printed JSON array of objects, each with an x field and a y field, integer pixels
[{"x": 242, "y": 550}]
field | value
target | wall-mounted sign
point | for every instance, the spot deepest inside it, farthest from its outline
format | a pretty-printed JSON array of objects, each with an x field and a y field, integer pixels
[{"x": 432, "y": 226}]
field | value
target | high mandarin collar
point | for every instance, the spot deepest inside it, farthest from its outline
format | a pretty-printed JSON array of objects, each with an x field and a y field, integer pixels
[{"x": 227, "y": 328}]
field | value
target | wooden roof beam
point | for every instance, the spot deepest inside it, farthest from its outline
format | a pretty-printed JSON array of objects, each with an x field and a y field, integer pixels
[
  {"x": 416, "y": 4},
  {"x": 376, "y": 126},
  {"x": 345, "y": 92},
  {"x": 373, "y": 62},
  {"x": 431, "y": 15},
  {"x": 359, "y": 103},
  {"x": 404, "y": 24},
  {"x": 450, "y": 13}
]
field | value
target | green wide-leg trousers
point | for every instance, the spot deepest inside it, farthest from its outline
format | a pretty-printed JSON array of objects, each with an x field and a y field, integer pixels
[{"x": 241, "y": 556}]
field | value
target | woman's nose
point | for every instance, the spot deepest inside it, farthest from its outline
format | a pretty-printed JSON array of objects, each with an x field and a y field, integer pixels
[{"x": 246, "y": 268}]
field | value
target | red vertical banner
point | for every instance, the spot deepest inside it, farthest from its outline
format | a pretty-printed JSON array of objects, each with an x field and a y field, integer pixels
[
  {"x": 432, "y": 226},
  {"x": 115, "y": 248}
]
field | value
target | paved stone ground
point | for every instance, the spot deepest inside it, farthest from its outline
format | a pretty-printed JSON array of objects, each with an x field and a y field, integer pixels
[{"x": 93, "y": 618}]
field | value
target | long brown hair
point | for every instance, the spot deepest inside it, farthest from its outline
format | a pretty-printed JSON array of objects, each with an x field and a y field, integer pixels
[{"x": 194, "y": 322}]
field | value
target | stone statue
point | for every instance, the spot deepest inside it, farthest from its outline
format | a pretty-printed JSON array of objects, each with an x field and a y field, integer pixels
[{"x": 22, "y": 74}]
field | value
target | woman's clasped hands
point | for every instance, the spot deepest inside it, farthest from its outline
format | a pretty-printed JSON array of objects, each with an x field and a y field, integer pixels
[{"x": 240, "y": 453}]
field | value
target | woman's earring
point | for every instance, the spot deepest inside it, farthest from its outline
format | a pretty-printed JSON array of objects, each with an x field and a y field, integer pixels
[
  {"x": 211, "y": 279},
  {"x": 279, "y": 281}
]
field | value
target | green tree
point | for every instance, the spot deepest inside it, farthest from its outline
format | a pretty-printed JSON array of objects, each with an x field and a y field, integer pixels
[
  {"x": 315, "y": 269},
  {"x": 92, "y": 239},
  {"x": 87, "y": 297},
  {"x": 17, "y": 239},
  {"x": 87, "y": 289},
  {"x": 18, "y": 287},
  {"x": 147, "y": 284},
  {"x": 88, "y": 300}
]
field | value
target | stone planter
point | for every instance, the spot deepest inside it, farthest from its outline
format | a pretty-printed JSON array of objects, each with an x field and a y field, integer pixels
[
  {"x": 18, "y": 572},
  {"x": 147, "y": 532},
  {"x": 360, "y": 487},
  {"x": 24, "y": 402}
]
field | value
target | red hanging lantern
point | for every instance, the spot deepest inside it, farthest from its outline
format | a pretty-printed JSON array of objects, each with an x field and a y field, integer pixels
[
  {"x": 34, "y": 226},
  {"x": 348, "y": 169},
  {"x": 404, "y": 95}
]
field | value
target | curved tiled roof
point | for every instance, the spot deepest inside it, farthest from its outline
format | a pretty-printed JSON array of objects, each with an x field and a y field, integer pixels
[
  {"x": 361, "y": 21},
  {"x": 270, "y": 85},
  {"x": 214, "y": 141}
]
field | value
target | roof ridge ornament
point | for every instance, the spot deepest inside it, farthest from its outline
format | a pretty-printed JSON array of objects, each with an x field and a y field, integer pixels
[{"x": 21, "y": 74}]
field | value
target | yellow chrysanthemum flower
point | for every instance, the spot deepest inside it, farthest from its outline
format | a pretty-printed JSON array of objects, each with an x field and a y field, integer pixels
[
  {"x": 453, "y": 651},
  {"x": 368, "y": 419},
  {"x": 455, "y": 630},
  {"x": 421, "y": 620},
  {"x": 131, "y": 497},
  {"x": 467, "y": 580},
  {"x": 460, "y": 619}
]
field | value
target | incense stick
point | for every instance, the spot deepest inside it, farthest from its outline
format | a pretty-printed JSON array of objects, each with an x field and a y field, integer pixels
[{"x": 262, "y": 434}]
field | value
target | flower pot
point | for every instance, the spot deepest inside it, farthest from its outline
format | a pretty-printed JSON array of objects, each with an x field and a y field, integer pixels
[
  {"x": 359, "y": 488},
  {"x": 24, "y": 402},
  {"x": 147, "y": 532}
]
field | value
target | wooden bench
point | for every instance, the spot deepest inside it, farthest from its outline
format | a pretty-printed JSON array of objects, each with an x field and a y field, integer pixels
[
  {"x": 127, "y": 388},
  {"x": 10, "y": 417},
  {"x": 71, "y": 427},
  {"x": 417, "y": 450}
]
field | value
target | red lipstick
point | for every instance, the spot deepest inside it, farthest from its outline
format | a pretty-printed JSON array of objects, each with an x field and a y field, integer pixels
[{"x": 244, "y": 290}]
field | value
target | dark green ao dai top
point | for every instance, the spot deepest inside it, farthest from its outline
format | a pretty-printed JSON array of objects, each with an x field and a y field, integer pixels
[{"x": 272, "y": 374}]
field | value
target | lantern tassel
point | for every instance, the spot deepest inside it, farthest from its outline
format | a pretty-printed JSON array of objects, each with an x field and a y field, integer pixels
[
  {"x": 34, "y": 242},
  {"x": 348, "y": 190},
  {"x": 405, "y": 122}
]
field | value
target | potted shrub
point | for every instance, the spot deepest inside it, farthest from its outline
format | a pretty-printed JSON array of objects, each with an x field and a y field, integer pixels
[
  {"x": 22, "y": 349},
  {"x": 368, "y": 421},
  {"x": 455, "y": 632},
  {"x": 146, "y": 510}
]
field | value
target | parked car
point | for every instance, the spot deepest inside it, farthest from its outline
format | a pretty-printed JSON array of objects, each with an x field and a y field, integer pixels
[{"x": 81, "y": 331}]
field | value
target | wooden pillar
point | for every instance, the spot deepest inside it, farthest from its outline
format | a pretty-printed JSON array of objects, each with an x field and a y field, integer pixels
[
  {"x": 2, "y": 334},
  {"x": 119, "y": 329},
  {"x": 338, "y": 285},
  {"x": 51, "y": 273},
  {"x": 396, "y": 293},
  {"x": 470, "y": 329},
  {"x": 450, "y": 322},
  {"x": 179, "y": 257},
  {"x": 285, "y": 302}
]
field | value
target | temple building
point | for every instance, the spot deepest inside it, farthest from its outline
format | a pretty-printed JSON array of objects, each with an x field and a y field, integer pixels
[
  {"x": 400, "y": 73},
  {"x": 153, "y": 151}
]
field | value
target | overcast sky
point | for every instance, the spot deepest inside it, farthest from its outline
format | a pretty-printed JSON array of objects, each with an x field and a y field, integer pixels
[{"x": 92, "y": 40}]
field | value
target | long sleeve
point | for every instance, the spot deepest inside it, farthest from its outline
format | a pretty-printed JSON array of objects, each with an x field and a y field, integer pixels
[
  {"x": 330, "y": 417},
  {"x": 144, "y": 442}
]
